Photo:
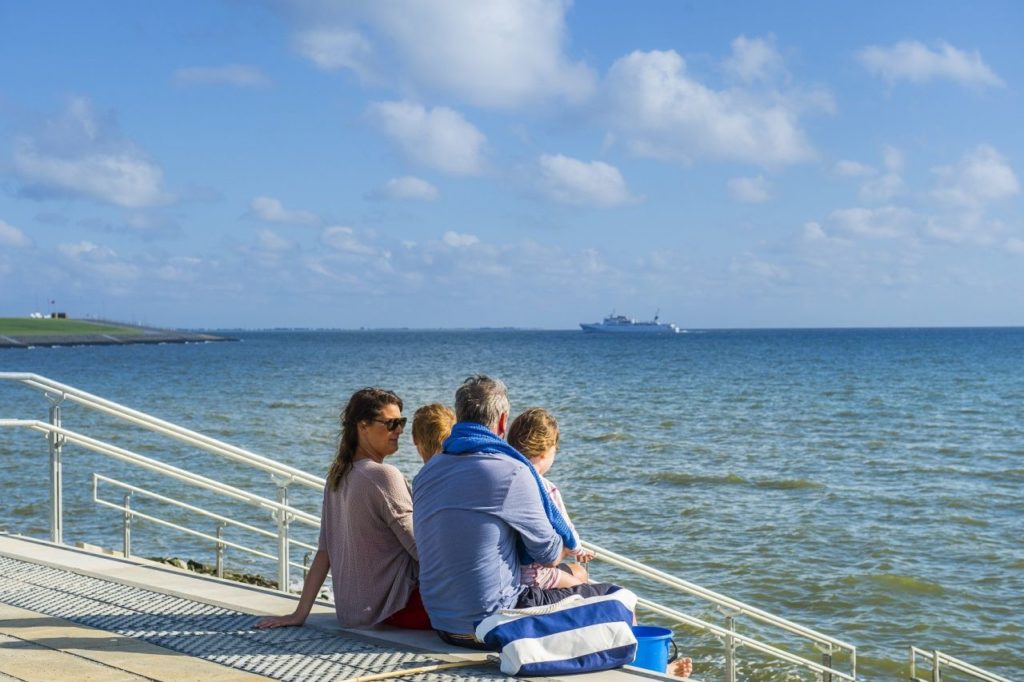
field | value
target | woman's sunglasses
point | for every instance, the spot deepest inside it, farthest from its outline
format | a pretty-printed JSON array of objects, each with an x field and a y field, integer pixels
[{"x": 392, "y": 424}]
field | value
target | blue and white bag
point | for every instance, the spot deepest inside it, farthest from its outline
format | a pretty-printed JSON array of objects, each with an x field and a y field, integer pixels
[{"x": 575, "y": 635}]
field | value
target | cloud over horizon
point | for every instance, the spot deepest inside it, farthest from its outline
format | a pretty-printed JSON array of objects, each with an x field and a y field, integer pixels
[
  {"x": 580, "y": 183},
  {"x": 406, "y": 188},
  {"x": 913, "y": 61},
  {"x": 439, "y": 138},
  {"x": 271, "y": 210},
  {"x": 663, "y": 112},
  {"x": 502, "y": 54},
  {"x": 78, "y": 153}
]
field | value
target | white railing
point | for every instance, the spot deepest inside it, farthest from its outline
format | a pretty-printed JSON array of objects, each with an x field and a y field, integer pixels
[
  {"x": 57, "y": 393},
  {"x": 130, "y": 514},
  {"x": 280, "y": 512},
  {"x": 939, "y": 660},
  {"x": 732, "y": 608},
  {"x": 284, "y": 514}
]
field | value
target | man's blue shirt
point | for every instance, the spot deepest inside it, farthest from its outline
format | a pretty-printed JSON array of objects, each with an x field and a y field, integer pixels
[{"x": 468, "y": 511}]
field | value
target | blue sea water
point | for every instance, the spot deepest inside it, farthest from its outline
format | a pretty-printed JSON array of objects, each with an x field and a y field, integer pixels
[{"x": 866, "y": 483}]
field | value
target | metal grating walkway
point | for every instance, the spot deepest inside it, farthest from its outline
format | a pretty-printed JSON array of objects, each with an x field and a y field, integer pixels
[{"x": 210, "y": 632}]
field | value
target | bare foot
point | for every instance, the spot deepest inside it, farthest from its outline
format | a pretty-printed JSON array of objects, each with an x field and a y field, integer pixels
[{"x": 681, "y": 667}]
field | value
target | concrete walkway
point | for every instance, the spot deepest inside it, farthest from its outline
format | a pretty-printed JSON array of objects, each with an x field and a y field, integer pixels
[{"x": 73, "y": 614}]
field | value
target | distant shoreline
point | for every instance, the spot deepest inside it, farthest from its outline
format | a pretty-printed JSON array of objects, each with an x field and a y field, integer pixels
[{"x": 31, "y": 333}]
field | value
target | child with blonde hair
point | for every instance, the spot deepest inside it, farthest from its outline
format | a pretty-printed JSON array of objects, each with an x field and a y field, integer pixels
[
  {"x": 534, "y": 433},
  {"x": 431, "y": 425}
]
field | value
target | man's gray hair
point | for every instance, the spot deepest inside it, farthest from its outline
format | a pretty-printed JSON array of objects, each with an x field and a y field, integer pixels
[{"x": 481, "y": 399}]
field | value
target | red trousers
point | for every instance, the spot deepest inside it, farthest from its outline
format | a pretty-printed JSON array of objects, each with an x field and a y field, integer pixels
[{"x": 412, "y": 616}]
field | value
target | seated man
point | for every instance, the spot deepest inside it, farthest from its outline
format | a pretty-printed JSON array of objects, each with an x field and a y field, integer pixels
[{"x": 473, "y": 506}]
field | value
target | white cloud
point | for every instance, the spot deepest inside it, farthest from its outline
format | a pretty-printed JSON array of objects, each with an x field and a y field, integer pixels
[
  {"x": 271, "y": 241},
  {"x": 1015, "y": 245},
  {"x": 578, "y": 183},
  {"x": 238, "y": 75},
  {"x": 100, "y": 261},
  {"x": 883, "y": 188},
  {"x": 885, "y": 222},
  {"x": 439, "y": 138},
  {"x": 754, "y": 59},
  {"x": 81, "y": 154},
  {"x": 853, "y": 169},
  {"x": 459, "y": 241},
  {"x": 971, "y": 227},
  {"x": 750, "y": 265},
  {"x": 813, "y": 232},
  {"x": 983, "y": 175},
  {"x": 332, "y": 49},
  {"x": 271, "y": 210},
  {"x": 344, "y": 240},
  {"x": 749, "y": 190},
  {"x": 501, "y": 53},
  {"x": 12, "y": 236},
  {"x": 913, "y": 61},
  {"x": 179, "y": 269},
  {"x": 406, "y": 188},
  {"x": 876, "y": 188},
  {"x": 664, "y": 113}
]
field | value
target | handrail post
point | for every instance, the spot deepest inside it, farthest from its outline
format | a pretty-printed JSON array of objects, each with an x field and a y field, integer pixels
[
  {"x": 220, "y": 549},
  {"x": 56, "y": 443},
  {"x": 730, "y": 650},
  {"x": 936, "y": 676},
  {"x": 826, "y": 650},
  {"x": 283, "y": 543},
  {"x": 127, "y": 525}
]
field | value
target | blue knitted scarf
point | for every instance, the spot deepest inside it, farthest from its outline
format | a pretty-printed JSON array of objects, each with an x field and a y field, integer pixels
[{"x": 469, "y": 437}]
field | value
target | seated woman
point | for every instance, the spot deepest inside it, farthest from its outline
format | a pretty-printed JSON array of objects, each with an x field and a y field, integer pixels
[{"x": 366, "y": 539}]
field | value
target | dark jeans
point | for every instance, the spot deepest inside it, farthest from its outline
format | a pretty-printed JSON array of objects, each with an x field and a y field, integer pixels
[
  {"x": 534, "y": 596},
  {"x": 531, "y": 596}
]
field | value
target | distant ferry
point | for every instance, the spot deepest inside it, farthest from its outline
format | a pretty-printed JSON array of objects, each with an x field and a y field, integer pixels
[{"x": 622, "y": 324}]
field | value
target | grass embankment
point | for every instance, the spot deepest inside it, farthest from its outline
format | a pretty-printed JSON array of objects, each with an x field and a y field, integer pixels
[{"x": 27, "y": 326}]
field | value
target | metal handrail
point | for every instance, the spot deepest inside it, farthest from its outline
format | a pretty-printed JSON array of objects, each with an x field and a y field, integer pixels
[
  {"x": 738, "y": 639},
  {"x": 165, "y": 469},
  {"x": 166, "y": 428},
  {"x": 719, "y": 599},
  {"x": 130, "y": 512},
  {"x": 284, "y": 513},
  {"x": 97, "y": 478},
  {"x": 940, "y": 660},
  {"x": 735, "y": 608}
]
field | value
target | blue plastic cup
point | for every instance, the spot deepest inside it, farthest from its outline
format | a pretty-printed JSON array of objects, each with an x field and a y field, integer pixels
[{"x": 652, "y": 645}]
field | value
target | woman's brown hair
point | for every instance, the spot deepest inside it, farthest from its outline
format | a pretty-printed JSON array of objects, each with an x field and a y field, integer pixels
[{"x": 364, "y": 405}]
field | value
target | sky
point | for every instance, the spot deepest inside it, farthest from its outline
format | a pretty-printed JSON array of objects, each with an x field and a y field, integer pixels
[{"x": 538, "y": 163}]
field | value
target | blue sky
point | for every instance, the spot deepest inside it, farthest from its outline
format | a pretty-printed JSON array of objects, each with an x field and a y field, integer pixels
[{"x": 449, "y": 164}]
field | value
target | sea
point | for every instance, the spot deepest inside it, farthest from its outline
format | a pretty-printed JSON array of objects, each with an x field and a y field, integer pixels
[{"x": 865, "y": 483}]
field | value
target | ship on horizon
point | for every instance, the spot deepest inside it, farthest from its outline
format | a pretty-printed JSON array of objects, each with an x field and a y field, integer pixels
[{"x": 622, "y": 324}]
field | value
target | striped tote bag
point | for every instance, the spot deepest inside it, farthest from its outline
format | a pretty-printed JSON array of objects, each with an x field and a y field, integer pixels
[{"x": 575, "y": 635}]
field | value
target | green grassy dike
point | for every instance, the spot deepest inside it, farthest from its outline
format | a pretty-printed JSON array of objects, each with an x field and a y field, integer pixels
[{"x": 26, "y": 326}]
